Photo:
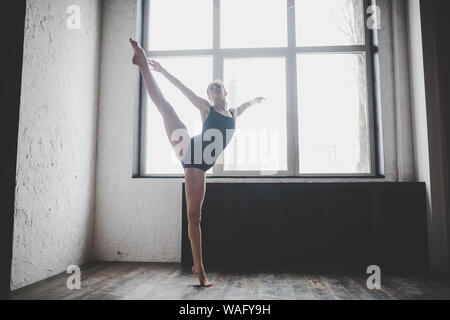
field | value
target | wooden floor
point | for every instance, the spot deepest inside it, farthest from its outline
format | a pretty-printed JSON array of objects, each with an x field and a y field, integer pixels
[{"x": 167, "y": 281}]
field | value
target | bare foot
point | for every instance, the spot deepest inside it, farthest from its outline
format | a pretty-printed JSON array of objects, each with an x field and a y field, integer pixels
[
  {"x": 201, "y": 275},
  {"x": 139, "y": 58}
]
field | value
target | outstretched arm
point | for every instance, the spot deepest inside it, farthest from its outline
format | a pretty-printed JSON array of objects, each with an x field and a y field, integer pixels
[
  {"x": 198, "y": 102},
  {"x": 241, "y": 109}
]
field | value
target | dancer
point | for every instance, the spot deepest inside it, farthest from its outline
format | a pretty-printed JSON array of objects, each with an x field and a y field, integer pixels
[{"x": 218, "y": 121}]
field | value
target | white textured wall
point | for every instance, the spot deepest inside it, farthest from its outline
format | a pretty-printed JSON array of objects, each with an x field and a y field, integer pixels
[
  {"x": 136, "y": 219},
  {"x": 54, "y": 207}
]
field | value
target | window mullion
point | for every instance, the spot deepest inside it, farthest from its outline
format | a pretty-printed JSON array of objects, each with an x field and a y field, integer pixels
[
  {"x": 216, "y": 25},
  {"x": 292, "y": 114},
  {"x": 217, "y": 66},
  {"x": 291, "y": 23},
  {"x": 370, "y": 88},
  {"x": 291, "y": 91},
  {"x": 218, "y": 74},
  {"x": 143, "y": 116}
]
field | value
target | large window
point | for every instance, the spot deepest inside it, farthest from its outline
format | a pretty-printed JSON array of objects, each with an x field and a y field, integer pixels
[{"x": 311, "y": 60}]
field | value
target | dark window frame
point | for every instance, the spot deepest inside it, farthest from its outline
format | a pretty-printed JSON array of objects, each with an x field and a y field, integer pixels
[{"x": 289, "y": 52}]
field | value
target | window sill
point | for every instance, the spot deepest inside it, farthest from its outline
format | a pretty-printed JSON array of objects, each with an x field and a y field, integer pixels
[{"x": 378, "y": 178}]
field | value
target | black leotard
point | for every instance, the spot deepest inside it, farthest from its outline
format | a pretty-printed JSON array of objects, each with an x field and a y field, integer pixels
[{"x": 215, "y": 120}]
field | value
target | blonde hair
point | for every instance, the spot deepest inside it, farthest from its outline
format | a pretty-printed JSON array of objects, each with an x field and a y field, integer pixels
[{"x": 218, "y": 81}]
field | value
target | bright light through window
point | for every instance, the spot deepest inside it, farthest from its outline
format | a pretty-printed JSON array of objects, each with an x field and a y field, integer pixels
[
  {"x": 329, "y": 22},
  {"x": 253, "y": 23},
  {"x": 316, "y": 119},
  {"x": 260, "y": 140},
  {"x": 333, "y": 116},
  {"x": 180, "y": 24}
]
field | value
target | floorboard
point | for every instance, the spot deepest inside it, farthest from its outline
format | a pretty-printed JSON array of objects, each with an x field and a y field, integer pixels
[{"x": 168, "y": 281}]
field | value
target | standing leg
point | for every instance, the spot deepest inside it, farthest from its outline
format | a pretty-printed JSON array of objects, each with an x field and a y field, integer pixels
[
  {"x": 195, "y": 194},
  {"x": 175, "y": 129}
]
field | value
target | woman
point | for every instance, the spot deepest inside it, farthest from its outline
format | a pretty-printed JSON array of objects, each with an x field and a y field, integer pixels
[{"x": 216, "y": 118}]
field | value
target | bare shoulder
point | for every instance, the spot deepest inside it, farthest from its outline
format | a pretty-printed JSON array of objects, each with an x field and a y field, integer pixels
[{"x": 204, "y": 106}]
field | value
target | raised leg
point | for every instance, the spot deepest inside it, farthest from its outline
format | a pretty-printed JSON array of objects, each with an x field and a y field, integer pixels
[
  {"x": 175, "y": 129},
  {"x": 195, "y": 194}
]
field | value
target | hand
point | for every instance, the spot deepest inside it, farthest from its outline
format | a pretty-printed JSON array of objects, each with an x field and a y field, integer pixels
[
  {"x": 156, "y": 66},
  {"x": 259, "y": 100}
]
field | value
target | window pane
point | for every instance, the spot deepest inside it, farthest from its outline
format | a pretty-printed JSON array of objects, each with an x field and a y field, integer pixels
[
  {"x": 259, "y": 143},
  {"x": 195, "y": 73},
  {"x": 329, "y": 22},
  {"x": 253, "y": 23},
  {"x": 333, "y": 114},
  {"x": 180, "y": 24}
]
